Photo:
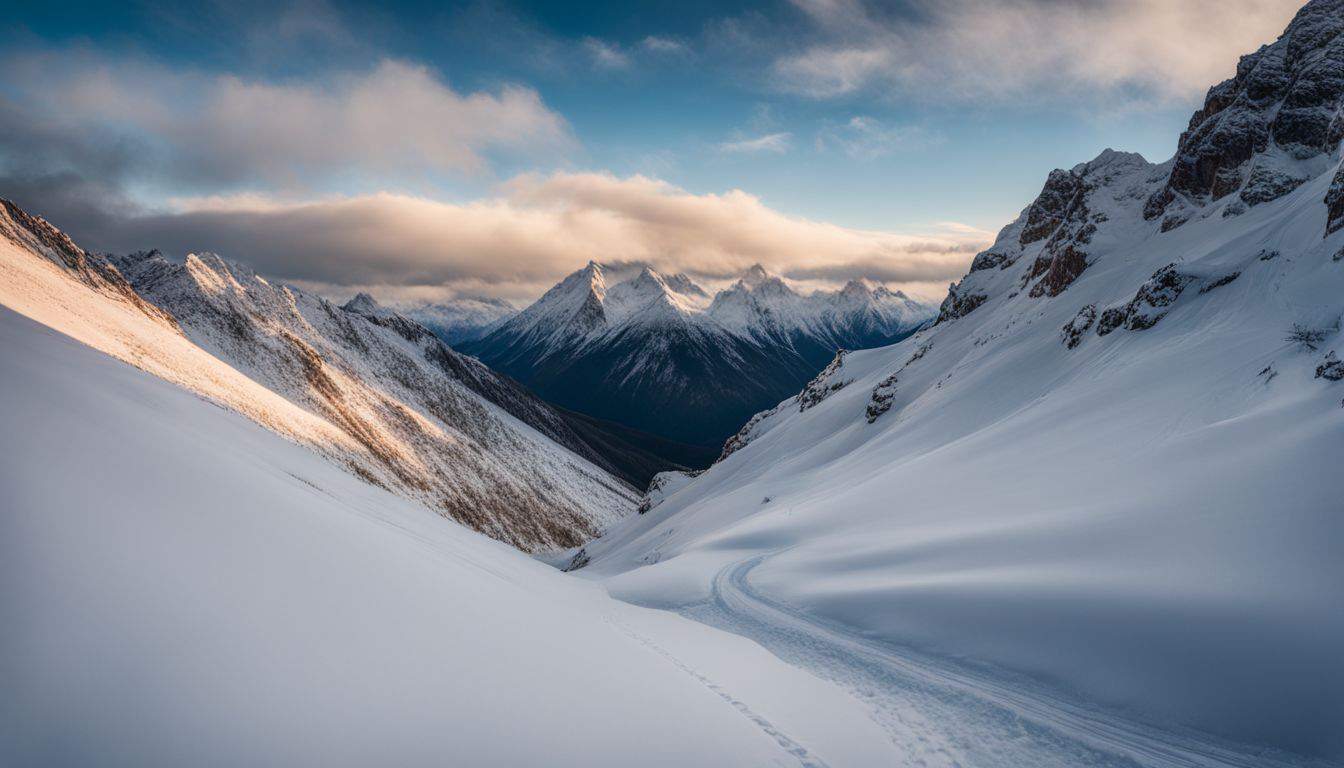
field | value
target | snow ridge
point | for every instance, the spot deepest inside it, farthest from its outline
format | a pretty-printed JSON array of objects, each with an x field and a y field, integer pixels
[{"x": 375, "y": 393}]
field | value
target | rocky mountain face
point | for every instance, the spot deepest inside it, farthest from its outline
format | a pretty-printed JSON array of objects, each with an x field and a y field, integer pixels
[
  {"x": 1260, "y": 136},
  {"x": 372, "y": 391},
  {"x": 1266, "y": 131},
  {"x": 658, "y": 354}
]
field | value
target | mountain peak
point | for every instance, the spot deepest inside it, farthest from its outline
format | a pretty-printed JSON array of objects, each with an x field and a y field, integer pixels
[
  {"x": 648, "y": 277},
  {"x": 755, "y": 275},
  {"x": 856, "y": 288},
  {"x": 684, "y": 285},
  {"x": 363, "y": 304}
]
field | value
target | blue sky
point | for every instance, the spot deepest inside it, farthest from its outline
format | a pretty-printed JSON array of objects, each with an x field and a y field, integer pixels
[{"x": 891, "y": 138}]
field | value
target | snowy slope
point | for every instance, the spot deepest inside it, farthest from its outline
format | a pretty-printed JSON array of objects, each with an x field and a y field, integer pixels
[
  {"x": 659, "y": 354},
  {"x": 1107, "y": 473},
  {"x": 179, "y": 586},
  {"x": 376, "y": 395}
]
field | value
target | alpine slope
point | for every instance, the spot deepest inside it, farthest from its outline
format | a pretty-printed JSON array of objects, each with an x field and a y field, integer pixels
[
  {"x": 375, "y": 393},
  {"x": 1092, "y": 515}
]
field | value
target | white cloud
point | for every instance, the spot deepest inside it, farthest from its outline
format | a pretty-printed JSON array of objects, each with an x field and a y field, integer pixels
[
  {"x": 966, "y": 50},
  {"x": 776, "y": 143},
  {"x": 398, "y": 119},
  {"x": 606, "y": 55},
  {"x": 656, "y": 44},
  {"x": 537, "y": 230}
]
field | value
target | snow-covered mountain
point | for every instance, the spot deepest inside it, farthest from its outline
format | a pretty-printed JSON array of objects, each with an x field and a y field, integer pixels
[
  {"x": 659, "y": 354},
  {"x": 375, "y": 393},
  {"x": 185, "y": 587},
  {"x": 461, "y": 319},
  {"x": 1105, "y": 485}
]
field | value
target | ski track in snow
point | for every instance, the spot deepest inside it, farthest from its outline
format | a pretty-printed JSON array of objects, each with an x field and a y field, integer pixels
[
  {"x": 798, "y": 751},
  {"x": 940, "y": 713}
]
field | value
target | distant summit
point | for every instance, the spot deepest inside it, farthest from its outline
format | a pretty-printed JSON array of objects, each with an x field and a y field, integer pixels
[{"x": 656, "y": 352}]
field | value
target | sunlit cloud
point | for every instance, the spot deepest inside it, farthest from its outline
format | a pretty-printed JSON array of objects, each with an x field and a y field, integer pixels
[
  {"x": 1015, "y": 49},
  {"x": 397, "y": 119},
  {"x": 539, "y": 228}
]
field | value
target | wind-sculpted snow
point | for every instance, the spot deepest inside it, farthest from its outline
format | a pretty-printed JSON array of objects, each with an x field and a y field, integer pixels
[
  {"x": 375, "y": 393},
  {"x": 1120, "y": 488},
  {"x": 659, "y": 354}
]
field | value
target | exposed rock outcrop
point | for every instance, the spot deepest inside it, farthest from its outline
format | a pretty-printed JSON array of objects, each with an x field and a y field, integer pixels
[
  {"x": 957, "y": 305},
  {"x": 1334, "y": 204},
  {"x": 883, "y": 395},
  {"x": 1150, "y": 304},
  {"x": 828, "y": 382},
  {"x": 1255, "y": 130},
  {"x": 1051, "y": 207},
  {"x": 1080, "y": 324},
  {"x": 1331, "y": 368}
]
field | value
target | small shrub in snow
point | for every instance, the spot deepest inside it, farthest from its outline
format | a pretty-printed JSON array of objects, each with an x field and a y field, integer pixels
[
  {"x": 1311, "y": 338},
  {"x": 923, "y": 350}
]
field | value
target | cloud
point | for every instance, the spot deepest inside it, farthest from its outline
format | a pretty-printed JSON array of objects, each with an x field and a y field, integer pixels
[
  {"x": 652, "y": 50},
  {"x": 866, "y": 138},
  {"x": 536, "y": 230},
  {"x": 396, "y": 121},
  {"x": 776, "y": 143},
  {"x": 966, "y": 50},
  {"x": 663, "y": 45},
  {"x": 606, "y": 55}
]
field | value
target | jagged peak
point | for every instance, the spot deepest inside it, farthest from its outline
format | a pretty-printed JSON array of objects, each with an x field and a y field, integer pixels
[
  {"x": 363, "y": 304},
  {"x": 754, "y": 275},
  {"x": 1110, "y": 156},
  {"x": 683, "y": 284},
  {"x": 857, "y": 287},
  {"x": 648, "y": 276}
]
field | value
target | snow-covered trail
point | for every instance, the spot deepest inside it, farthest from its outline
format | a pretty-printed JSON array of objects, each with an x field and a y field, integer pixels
[{"x": 942, "y": 713}]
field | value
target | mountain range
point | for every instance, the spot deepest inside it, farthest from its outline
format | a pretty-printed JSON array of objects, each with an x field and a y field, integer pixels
[
  {"x": 1089, "y": 514},
  {"x": 659, "y": 354},
  {"x": 374, "y": 392}
]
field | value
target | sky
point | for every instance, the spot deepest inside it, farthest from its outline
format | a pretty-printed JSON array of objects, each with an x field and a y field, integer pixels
[{"x": 430, "y": 150}]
